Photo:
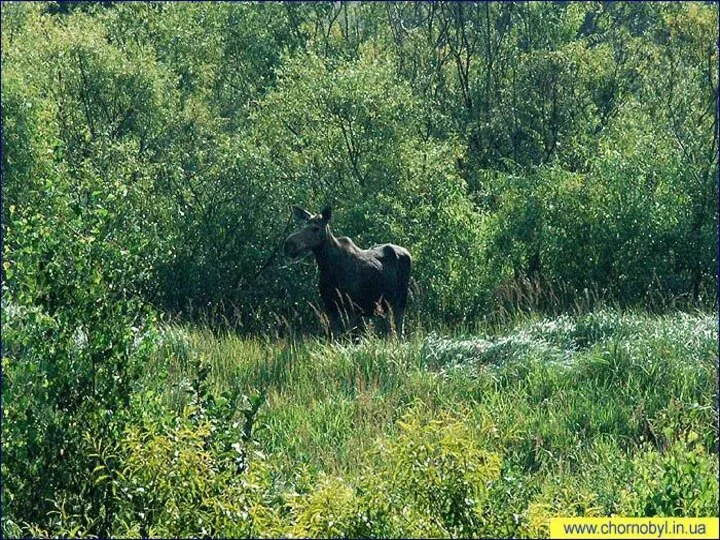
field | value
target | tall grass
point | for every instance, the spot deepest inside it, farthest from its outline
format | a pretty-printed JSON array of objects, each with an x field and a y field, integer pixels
[
  {"x": 484, "y": 430},
  {"x": 575, "y": 405}
]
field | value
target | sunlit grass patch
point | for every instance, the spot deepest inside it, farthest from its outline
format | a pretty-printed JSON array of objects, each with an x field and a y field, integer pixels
[{"x": 575, "y": 408}]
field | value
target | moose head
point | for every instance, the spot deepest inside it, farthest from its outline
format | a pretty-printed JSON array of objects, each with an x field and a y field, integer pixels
[{"x": 312, "y": 233}]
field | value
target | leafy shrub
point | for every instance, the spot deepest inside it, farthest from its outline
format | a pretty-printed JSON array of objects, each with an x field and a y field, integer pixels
[
  {"x": 433, "y": 480},
  {"x": 557, "y": 501},
  {"x": 681, "y": 481},
  {"x": 76, "y": 330},
  {"x": 178, "y": 478},
  {"x": 74, "y": 341},
  {"x": 332, "y": 510}
]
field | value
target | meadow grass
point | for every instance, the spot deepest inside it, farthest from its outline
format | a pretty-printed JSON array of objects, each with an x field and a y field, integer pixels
[{"x": 594, "y": 414}]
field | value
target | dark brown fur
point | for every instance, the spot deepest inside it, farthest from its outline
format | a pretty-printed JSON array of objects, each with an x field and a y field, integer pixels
[{"x": 354, "y": 282}]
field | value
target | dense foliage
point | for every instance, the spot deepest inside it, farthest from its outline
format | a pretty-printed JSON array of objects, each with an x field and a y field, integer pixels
[
  {"x": 574, "y": 145},
  {"x": 531, "y": 156}
]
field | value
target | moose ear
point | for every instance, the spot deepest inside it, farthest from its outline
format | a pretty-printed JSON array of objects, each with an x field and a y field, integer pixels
[
  {"x": 327, "y": 213},
  {"x": 300, "y": 214}
]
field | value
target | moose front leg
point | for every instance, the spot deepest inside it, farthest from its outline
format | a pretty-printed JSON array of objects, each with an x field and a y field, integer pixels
[
  {"x": 341, "y": 313},
  {"x": 333, "y": 315}
]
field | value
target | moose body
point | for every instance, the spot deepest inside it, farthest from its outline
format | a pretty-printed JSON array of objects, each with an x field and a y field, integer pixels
[{"x": 354, "y": 282}]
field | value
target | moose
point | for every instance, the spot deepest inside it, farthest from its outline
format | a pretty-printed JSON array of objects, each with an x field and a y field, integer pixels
[{"x": 354, "y": 282}]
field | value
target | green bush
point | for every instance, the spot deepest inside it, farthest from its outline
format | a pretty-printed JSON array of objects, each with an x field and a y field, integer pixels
[
  {"x": 74, "y": 341},
  {"x": 679, "y": 481},
  {"x": 178, "y": 477},
  {"x": 332, "y": 510},
  {"x": 349, "y": 135},
  {"x": 434, "y": 478}
]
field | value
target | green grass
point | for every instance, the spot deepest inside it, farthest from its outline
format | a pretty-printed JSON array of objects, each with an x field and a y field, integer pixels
[{"x": 593, "y": 414}]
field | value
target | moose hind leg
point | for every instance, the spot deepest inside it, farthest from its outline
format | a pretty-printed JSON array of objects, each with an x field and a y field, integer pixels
[
  {"x": 399, "y": 316},
  {"x": 387, "y": 323},
  {"x": 402, "y": 292}
]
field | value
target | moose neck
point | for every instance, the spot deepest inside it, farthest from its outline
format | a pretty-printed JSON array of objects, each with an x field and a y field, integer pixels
[{"x": 328, "y": 253}]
